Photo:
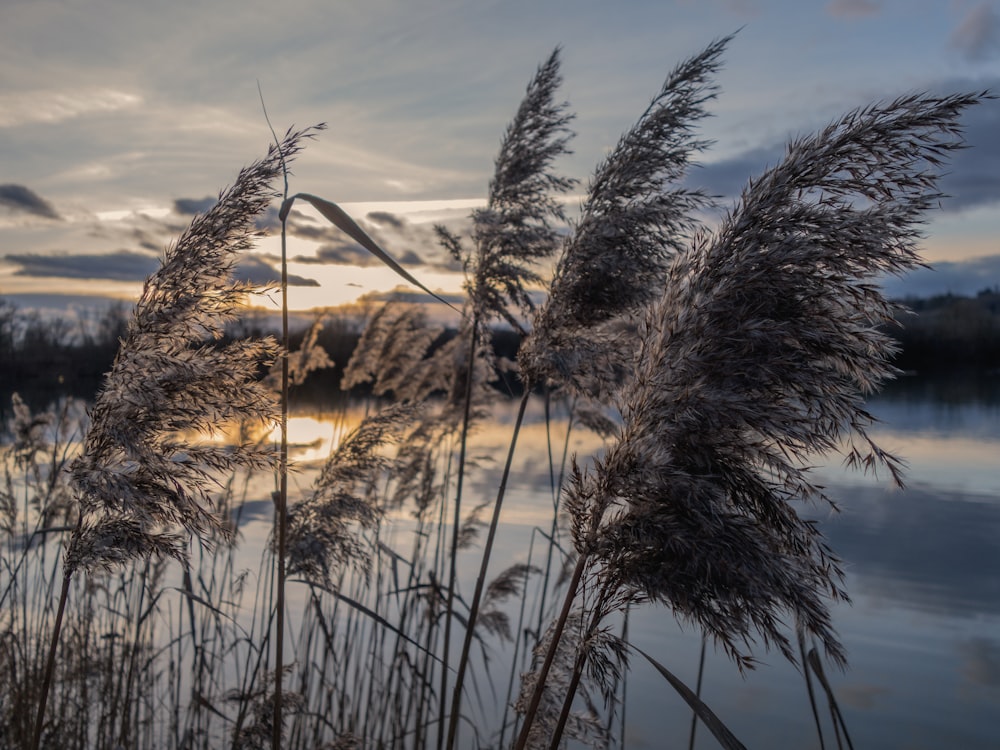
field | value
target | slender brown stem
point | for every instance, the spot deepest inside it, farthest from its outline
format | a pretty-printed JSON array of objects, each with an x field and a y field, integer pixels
[
  {"x": 697, "y": 691},
  {"x": 809, "y": 687},
  {"x": 543, "y": 672},
  {"x": 600, "y": 609},
  {"x": 456, "y": 698},
  {"x": 50, "y": 665},
  {"x": 452, "y": 573},
  {"x": 281, "y": 501}
]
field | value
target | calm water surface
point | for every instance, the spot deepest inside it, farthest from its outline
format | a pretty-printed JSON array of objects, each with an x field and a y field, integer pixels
[{"x": 923, "y": 631}]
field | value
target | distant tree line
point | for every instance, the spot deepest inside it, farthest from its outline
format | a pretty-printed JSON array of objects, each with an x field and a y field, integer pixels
[
  {"x": 43, "y": 358},
  {"x": 950, "y": 332}
]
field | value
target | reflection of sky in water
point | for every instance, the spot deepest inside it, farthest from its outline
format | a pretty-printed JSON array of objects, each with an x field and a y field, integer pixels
[{"x": 923, "y": 634}]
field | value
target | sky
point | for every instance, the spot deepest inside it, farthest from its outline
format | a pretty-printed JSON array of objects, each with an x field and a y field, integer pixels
[{"x": 119, "y": 121}]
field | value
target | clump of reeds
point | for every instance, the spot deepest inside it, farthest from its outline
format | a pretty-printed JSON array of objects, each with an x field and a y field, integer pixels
[
  {"x": 757, "y": 357},
  {"x": 141, "y": 483}
]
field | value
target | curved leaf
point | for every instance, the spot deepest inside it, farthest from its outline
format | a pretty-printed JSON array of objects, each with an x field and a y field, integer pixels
[
  {"x": 339, "y": 218},
  {"x": 726, "y": 738}
]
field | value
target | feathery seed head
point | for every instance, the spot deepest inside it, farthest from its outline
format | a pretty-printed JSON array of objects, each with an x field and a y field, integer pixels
[
  {"x": 634, "y": 220},
  {"x": 140, "y": 479},
  {"x": 757, "y": 357},
  {"x": 518, "y": 226}
]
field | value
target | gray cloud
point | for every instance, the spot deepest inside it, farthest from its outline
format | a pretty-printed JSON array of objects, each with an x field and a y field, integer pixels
[
  {"x": 402, "y": 294},
  {"x": 386, "y": 218},
  {"x": 410, "y": 244},
  {"x": 21, "y": 199},
  {"x": 852, "y": 8},
  {"x": 727, "y": 178},
  {"x": 977, "y": 37},
  {"x": 970, "y": 177},
  {"x": 126, "y": 265},
  {"x": 259, "y": 272},
  {"x": 343, "y": 252},
  {"x": 123, "y": 265},
  {"x": 191, "y": 206}
]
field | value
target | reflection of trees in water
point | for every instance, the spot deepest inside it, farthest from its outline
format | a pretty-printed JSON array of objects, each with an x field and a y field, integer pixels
[{"x": 961, "y": 386}]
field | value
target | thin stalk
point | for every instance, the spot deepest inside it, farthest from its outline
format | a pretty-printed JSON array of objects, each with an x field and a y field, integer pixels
[
  {"x": 581, "y": 659},
  {"x": 556, "y": 499},
  {"x": 621, "y": 739},
  {"x": 456, "y": 699},
  {"x": 543, "y": 672},
  {"x": 701, "y": 673},
  {"x": 517, "y": 640},
  {"x": 281, "y": 503},
  {"x": 809, "y": 688},
  {"x": 50, "y": 665},
  {"x": 452, "y": 573}
]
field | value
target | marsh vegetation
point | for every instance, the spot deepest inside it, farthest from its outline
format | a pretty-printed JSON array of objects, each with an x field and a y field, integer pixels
[{"x": 711, "y": 365}]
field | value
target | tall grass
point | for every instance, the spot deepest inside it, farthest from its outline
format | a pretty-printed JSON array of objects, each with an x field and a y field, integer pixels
[{"x": 717, "y": 363}]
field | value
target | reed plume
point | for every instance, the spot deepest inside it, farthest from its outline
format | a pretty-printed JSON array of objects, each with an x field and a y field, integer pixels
[
  {"x": 519, "y": 225},
  {"x": 756, "y": 359},
  {"x": 633, "y": 221},
  {"x": 323, "y": 528},
  {"x": 392, "y": 355},
  {"x": 143, "y": 486},
  {"x": 141, "y": 482}
]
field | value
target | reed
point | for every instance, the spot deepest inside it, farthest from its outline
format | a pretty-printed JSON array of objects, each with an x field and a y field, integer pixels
[
  {"x": 756, "y": 357},
  {"x": 139, "y": 485}
]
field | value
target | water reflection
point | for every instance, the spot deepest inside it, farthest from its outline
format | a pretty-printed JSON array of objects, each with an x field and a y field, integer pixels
[{"x": 922, "y": 563}]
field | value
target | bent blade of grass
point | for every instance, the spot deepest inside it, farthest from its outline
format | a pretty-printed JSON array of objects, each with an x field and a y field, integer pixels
[
  {"x": 365, "y": 611},
  {"x": 339, "y": 218},
  {"x": 725, "y": 737}
]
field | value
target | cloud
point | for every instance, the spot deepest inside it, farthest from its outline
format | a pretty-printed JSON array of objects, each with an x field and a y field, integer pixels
[
  {"x": 124, "y": 265},
  {"x": 386, "y": 218},
  {"x": 408, "y": 296},
  {"x": 20, "y": 108},
  {"x": 410, "y": 244},
  {"x": 728, "y": 177},
  {"x": 345, "y": 253},
  {"x": 20, "y": 199},
  {"x": 977, "y": 36},
  {"x": 970, "y": 176},
  {"x": 852, "y": 8},
  {"x": 191, "y": 206},
  {"x": 259, "y": 272}
]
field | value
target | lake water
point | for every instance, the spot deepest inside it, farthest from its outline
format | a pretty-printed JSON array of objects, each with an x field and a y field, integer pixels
[{"x": 922, "y": 633}]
